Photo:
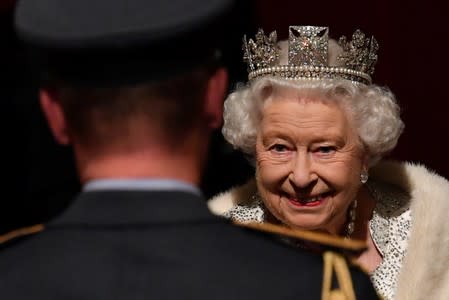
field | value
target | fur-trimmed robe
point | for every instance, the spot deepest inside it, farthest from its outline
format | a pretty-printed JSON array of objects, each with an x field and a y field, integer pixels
[{"x": 425, "y": 270}]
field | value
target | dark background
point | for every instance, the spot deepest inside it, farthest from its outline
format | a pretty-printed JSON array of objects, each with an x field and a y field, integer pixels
[{"x": 40, "y": 178}]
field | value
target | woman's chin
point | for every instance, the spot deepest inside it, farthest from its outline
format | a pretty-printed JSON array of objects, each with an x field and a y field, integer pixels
[
  {"x": 314, "y": 218},
  {"x": 313, "y": 226}
]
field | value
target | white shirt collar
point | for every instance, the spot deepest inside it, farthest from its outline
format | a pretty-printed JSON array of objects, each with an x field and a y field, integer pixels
[{"x": 140, "y": 184}]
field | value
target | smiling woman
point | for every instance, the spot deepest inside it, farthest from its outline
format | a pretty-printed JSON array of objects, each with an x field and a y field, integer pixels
[
  {"x": 316, "y": 128},
  {"x": 308, "y": 181}
]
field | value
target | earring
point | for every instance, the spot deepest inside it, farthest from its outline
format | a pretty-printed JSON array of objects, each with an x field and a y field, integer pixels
[
  {"x": 351, "y": 219},
  {"x": 364, "y": 176}
]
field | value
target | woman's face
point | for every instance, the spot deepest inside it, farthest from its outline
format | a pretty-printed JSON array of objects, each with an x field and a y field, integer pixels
[{"x": 308, "y": 163}]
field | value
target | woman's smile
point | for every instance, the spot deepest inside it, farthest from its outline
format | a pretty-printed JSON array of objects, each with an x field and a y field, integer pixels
[
  {"x": 305, "y": 201},
  {"x": 308, "y": 163}
]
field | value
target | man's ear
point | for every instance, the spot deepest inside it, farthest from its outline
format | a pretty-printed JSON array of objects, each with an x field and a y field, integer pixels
[
  {"x": 217, "y": 87},
  {"x": 55, "y": 116}
]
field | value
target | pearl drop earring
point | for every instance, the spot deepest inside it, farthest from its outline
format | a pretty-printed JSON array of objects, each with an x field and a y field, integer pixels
[{"x": 364, "y": 177}]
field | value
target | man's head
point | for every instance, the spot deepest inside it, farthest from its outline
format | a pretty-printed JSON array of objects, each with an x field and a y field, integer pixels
[
  {"x": 128, "y": 115},
  {"x": 122, "y": 76}
]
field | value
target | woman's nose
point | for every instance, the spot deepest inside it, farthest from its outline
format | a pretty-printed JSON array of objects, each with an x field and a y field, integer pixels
[{"x": 302, "y": 173}]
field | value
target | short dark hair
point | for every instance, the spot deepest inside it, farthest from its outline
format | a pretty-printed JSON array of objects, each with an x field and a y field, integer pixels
[{"x": 101, "y": 115}]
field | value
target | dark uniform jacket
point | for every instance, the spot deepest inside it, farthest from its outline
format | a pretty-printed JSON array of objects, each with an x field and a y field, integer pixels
[{"x": 157, "y": 245}]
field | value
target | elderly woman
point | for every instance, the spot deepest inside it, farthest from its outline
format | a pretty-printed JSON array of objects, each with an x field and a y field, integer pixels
[{"x": 316, "y": 128}]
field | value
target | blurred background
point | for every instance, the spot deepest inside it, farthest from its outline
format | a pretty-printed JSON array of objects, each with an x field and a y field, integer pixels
[{"x": 40, "y": 178}]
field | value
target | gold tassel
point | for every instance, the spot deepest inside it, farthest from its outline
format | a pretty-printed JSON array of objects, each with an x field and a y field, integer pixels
[{"x": 334, "y": 262}]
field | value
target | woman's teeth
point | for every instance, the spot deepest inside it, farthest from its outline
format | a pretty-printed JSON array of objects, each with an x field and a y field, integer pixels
[
  {"x": 306, "y": 200},
  {"x": 311, "y": 199}
]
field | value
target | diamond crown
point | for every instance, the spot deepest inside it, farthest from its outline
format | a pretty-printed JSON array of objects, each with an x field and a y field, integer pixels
[{"x": 308, "y": 55}]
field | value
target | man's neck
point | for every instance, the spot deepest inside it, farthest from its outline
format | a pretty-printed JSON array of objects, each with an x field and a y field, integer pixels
[
  {"x": 145, "y": 155},
  {"x": 144, "y": 164}
]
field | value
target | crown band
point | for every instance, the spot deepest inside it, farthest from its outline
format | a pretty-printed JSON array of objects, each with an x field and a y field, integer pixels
[
  {"x": 311, "y": 72},
  {"x": 308, "y": 56}
]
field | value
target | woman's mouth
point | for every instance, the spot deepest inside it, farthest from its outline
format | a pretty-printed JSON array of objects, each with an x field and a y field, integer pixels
[{"x": 308, "y": 201}]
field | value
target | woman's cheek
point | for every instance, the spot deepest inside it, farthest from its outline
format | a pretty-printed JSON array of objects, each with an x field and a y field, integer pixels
[{"x": 271, "y": 176}]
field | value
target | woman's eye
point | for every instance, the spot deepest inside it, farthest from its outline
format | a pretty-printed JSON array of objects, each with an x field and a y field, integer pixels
[
  {"x": 326, "y": 149},
  {"x": 278, "y": 148}
]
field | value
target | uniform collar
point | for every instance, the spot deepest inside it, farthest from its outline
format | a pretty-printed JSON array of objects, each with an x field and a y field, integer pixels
[
  {"x": 141, "y": 184},
  {"x": 124, "y": 207}
]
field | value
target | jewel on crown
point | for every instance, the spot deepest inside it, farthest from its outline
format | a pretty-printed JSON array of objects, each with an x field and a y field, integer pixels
[{"x": 308, "y": 55}]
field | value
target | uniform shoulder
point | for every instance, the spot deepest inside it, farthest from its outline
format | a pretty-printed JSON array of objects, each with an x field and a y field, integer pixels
[
  {"x": 305, "y": 235},
  {"x": 340, "y": 277},
  {"x": 20, "y": 233}
]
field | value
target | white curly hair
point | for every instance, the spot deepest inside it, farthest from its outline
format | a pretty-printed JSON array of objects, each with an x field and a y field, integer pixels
[{"x": 373, "y": 110}]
